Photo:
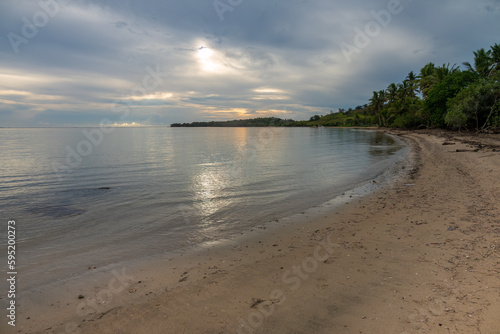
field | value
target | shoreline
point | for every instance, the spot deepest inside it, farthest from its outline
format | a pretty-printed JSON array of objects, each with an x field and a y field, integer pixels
[
  {"x": 347, "y": 271},
  {"x": 94, "y": 284}
]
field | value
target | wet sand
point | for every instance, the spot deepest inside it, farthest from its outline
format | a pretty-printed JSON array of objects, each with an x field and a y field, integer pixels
[{"x": 419, "y": 255}]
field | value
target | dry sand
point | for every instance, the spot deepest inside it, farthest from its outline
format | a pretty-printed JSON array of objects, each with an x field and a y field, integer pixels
[{"x": 420, "y": 255}]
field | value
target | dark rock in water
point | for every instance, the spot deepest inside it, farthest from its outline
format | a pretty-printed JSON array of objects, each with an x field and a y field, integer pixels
[{"x": 104, "y": 188}]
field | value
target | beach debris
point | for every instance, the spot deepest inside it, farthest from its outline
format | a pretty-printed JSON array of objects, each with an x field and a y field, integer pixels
[
  {"x": 419, "y": 222},
  {"x": 363, "y": 317},
  {"x": 435, "y": 243},
  {"x": 183, "y": 278},
  {"x": 132, "y": 290},
  {"x": 92, "y": 268},
  {"x": 81, "y": 296},
  {"x": 461, "y": 151},
  {"x": 256, "y": 302},
  {"x": 105, "y": 188},
  {"x": 452, "y": 228}
]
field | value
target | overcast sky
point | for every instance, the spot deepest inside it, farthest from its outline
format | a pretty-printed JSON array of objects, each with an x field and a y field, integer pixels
[{"x": 155, "y": 62}]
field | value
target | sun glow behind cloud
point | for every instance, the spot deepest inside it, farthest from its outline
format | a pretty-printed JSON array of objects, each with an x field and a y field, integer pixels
[{"x": 207, "y": 59}]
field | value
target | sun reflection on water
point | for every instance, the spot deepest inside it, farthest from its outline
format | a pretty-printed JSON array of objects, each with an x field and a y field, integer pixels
[{"x": 209, "y": 190}]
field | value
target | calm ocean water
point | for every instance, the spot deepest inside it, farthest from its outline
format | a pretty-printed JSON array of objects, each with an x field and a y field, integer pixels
[{"x": 82, "y": 202}]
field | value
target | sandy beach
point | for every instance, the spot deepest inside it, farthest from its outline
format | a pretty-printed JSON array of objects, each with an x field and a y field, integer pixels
[{"x": 418, "y": 255}]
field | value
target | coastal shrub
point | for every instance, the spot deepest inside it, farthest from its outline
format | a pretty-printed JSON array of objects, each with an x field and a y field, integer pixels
[
  {"x": 439, "y": 95},
  {"x": 476, "y": 106},
  {"x": 407, "y": 121},
  {"x": 456, "y": 117},
  {"x": 496, "y": 121}
]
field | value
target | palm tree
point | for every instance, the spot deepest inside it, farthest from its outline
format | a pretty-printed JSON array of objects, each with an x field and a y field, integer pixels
[
  {"x": 411, "y": 77},
  {"x": 411, "y": 80},
  {"x": 426, "y": 78},
  {"x": 482, "y": 62},
  {"x": 377, "y": 104},
  {"x": 444, "y": 70},
  {"x": 405, "y": 91},
  {"x": 495, "y": 59},
  {"x": 392, "y": 93}
]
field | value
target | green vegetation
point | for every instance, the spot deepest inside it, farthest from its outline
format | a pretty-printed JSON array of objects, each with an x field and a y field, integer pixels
[
  {"x": 445, "y": 96},
  {"x": 361, "y": 116},
  {"x": 254, "y": 122},
  {"x": 438, "y": 97}
]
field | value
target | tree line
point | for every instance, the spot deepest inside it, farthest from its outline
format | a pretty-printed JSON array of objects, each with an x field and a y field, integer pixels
[
  {"x": 444, "y": 96},
  {"x": 253, "y": 122}
]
